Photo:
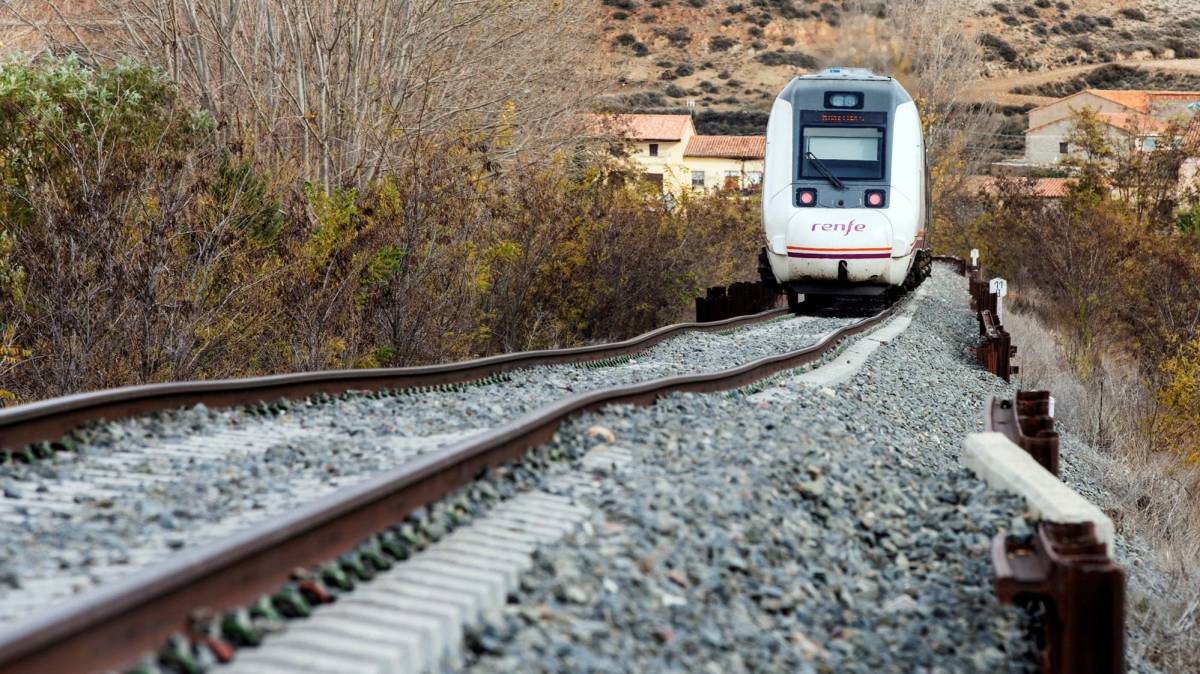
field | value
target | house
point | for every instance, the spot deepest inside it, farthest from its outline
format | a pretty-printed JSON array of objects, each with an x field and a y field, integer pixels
[
  {"x": 673, "y": 156},
  {"x": 1140, "y": 116},
  {"x": 1043, "y": 188}
]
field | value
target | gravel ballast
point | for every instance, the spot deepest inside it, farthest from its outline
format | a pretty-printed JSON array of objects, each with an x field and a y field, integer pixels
[
  {"x": 139, "y": 490},
  {"x": 795, "y": 528}
]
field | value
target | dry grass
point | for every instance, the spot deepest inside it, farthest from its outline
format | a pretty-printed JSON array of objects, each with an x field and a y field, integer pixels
[{"x": 1152, "y": 496}]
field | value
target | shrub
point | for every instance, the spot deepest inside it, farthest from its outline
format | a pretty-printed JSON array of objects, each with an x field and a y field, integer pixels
[
  {"x": 720, "y": 43},
  {"x": 679, "y": 36},
  {"x": 782, "y": 58},
  {"x": 1182, "y": 49},
  {"x": 997, "y": 46},
  {"x": 136, "y": 248}
]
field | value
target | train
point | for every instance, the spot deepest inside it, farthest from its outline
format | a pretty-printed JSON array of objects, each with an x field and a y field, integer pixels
[{"x": 845, "y": 189}]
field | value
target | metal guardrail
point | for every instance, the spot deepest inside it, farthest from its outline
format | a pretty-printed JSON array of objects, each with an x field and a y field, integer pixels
[
  {"x": 1065, "y": 566},
  {"x": 1028, "y": 422},
  {"x": 997, "y": 351},
  {"x": 48, "y": 420},
  {"x": 113, "y": 626},
  {"x": 1067, "y": 570}
]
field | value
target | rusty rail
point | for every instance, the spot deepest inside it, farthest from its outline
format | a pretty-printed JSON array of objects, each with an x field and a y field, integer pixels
[
  {"x": 113, "y": 626},
  {"x": 1027, "y": 422},
  {"x": 738, "y": 299},
  {"x": 49, "y": 420},
  {"x": 1067, "y": 570}
]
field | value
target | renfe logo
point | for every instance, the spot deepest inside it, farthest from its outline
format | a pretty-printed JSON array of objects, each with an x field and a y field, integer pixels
[{"x": 845, "y": 227}]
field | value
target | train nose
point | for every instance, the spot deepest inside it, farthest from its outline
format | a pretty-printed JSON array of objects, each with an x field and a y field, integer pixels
[{"x": 829, "y": 234}]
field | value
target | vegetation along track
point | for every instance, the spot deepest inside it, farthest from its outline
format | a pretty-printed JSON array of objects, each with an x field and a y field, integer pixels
[{"x": 132, "y": 615}]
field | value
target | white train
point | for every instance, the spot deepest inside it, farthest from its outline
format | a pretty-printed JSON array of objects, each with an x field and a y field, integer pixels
[{"x": 845, "y": 190}]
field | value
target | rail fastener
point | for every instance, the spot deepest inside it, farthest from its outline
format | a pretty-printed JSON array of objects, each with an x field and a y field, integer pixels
[{"x": 1028, "y": 422}]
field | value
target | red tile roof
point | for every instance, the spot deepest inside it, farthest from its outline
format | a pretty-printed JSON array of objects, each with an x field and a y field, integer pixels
[
  {"x": 1134, "y": 99},
  {"x": 1133, "y": 123},
  {"x": 642, "y": 127},
  {"x": 730, "y": 147},
  {"x": 1130, "y": 122},
  {"x": 1046, "y": 188}
]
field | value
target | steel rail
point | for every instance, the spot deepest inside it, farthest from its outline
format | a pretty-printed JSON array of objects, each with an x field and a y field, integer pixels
[
  {"x": 48, "y": 420},
  {"x": 114, "y": 625}
]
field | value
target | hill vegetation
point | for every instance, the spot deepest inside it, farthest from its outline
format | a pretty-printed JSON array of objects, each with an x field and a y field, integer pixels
[{"x": 729, "y": 57}]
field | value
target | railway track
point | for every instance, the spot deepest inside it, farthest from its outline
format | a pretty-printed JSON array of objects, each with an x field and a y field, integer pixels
[
  {"x": 250, "y": 436},
  {"x": 436, "y": 532}
]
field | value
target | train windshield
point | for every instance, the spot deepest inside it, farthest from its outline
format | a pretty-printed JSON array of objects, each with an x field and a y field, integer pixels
[{"x": 848, "y": 152}]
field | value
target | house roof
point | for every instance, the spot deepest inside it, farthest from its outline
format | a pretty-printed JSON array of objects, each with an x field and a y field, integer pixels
[
  {"x": 1046, "y": 188},
  {"x": 1134, "y": 99},
  {"x": 1133, "y": 123},
  {"x": 729, "y": 147},
  {"x": 1130, "y": 122},
  {"x": 642, "y": 127}
]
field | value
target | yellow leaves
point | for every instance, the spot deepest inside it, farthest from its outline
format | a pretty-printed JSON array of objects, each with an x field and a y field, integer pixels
[{"x": 1178, "y": 424}]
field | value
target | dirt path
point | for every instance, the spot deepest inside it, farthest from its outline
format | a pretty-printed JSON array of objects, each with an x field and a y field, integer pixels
[{"x": 999, "y": 90}]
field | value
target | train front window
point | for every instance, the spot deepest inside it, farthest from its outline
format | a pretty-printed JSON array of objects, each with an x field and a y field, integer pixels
[{"x": 848, "y": 152}]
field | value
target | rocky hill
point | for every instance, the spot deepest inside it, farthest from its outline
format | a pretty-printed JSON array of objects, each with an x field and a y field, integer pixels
[{"x": 729, "y": 59}]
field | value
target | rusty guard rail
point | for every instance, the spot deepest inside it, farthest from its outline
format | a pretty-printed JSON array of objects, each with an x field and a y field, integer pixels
[
  {"x": 1028, "y": 423},
  {"x": 997, "y": 351},
  {"x": 1065, "y": 566},
  {"x": 1067, "y": 570}
]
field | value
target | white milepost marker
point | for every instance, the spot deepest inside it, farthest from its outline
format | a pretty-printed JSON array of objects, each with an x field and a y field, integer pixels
[
  {"x": 1000, "y": 287},
  {"x": 1050, "y": 407},
  {"x": 974, "y": 257}
]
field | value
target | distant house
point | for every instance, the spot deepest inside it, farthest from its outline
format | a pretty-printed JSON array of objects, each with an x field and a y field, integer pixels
[
  {"x": 1140, "y": 116},
  {"x": 673, "y": 156},
  {"x": 1044, "y": 188}
]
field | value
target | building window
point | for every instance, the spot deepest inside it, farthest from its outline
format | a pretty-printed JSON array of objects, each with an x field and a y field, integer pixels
[
  {"x": 698, "y": 179},
  {"x": 753, "y": 178},
  {"x": 653, "y": 149},
  {"x": 732, "y": 179},
  {"x": 1062, "y": 147}
]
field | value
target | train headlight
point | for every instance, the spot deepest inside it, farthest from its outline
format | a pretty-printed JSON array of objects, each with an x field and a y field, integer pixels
[
  {"x": 875, "y": 198},
  {"x": 806, "y": 197}
]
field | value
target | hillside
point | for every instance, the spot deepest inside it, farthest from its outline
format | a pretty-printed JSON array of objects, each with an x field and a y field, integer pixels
[{"x": 731, "y": 58}]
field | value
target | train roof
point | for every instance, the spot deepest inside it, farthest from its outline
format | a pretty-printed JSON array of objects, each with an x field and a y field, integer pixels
[
  {"x": 882, "y": 92},
  {"x": 845, "y": 74}
]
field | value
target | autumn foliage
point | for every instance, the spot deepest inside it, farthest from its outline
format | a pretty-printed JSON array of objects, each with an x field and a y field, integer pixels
[
  {"x": 137, "y": 245},
  {"x": 1115, "y": 264}
]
